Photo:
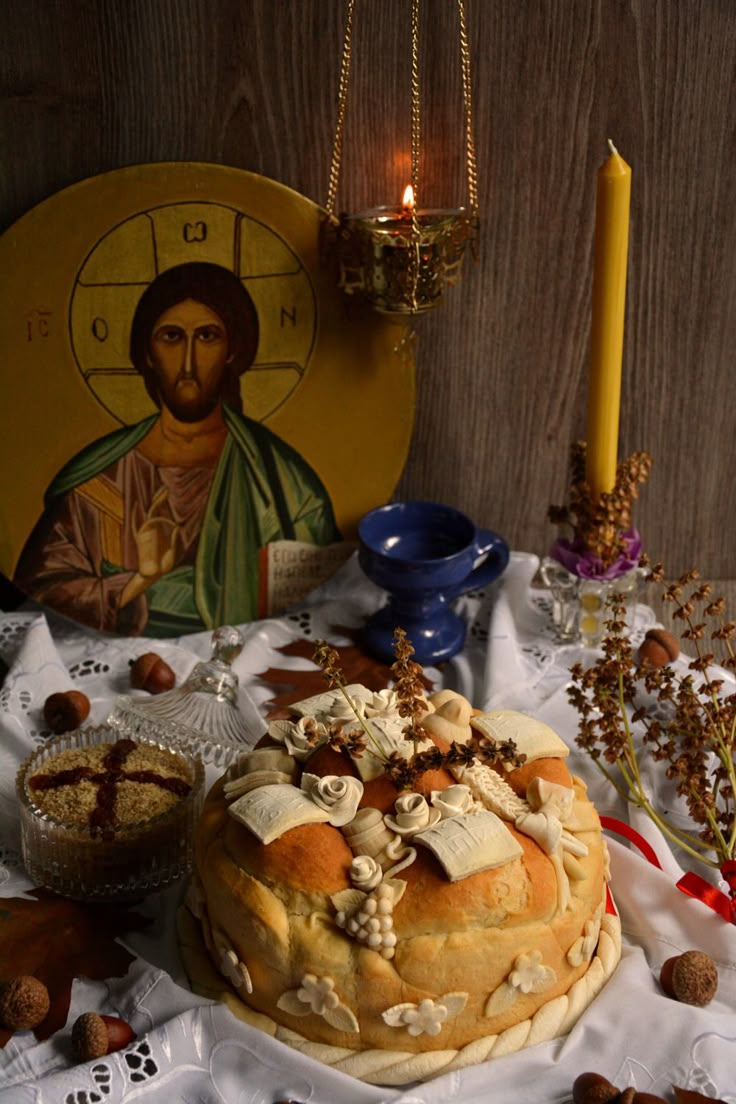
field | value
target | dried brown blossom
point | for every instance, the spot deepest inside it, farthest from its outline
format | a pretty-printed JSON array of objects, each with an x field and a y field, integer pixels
[
  {"x": 409, "y": 689},
  {"x": 692, "y": 734},
  {"x": 488, "y": 750},
  {"x": 326, "y": 657},
  {"x": 339, "y": 737},
  {"x": 405, "y": 772},
  {"x": 598, "y": 522}
]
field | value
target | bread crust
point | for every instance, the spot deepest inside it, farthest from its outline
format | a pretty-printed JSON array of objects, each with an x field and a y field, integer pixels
[{"x": 271, "y": 906}]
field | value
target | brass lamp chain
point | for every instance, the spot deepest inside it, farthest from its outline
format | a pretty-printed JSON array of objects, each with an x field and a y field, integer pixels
[
  {"x": 342, "y": 100},
  {"x": 468, "y": 108},
  {"x": 337, "y": 145},
  {"x": 415, "y": 146}
]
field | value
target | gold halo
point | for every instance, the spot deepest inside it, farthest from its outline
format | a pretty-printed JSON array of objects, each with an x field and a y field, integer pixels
[{"x": 123, "y": 263}]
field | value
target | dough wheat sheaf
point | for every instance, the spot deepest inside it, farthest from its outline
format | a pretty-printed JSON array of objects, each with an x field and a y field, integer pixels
[{"x": 397, "y": 936}]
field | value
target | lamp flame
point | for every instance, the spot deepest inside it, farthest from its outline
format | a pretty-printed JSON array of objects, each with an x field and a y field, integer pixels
[{"x": 408, "y": 201}]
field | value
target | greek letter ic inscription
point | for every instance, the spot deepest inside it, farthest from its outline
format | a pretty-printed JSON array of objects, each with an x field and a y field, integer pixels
[{"x": 38, "y": 323}]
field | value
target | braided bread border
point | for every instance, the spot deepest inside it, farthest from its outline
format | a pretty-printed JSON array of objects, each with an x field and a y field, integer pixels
[{"x": 397, "y": 1067}]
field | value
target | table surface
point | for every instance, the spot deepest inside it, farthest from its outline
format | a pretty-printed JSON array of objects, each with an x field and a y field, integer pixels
[{"x": 192, "y": 1050}]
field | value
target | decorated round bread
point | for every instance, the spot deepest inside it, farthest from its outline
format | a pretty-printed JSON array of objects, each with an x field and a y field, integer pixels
[{"x": 398, "y": 925}]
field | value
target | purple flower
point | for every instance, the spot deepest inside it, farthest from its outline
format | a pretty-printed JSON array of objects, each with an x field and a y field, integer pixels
[{"x": 578, "y": 560}]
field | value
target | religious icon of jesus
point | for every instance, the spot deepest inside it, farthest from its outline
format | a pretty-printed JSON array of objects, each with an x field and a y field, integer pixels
[{"x": 156, "y": 528}]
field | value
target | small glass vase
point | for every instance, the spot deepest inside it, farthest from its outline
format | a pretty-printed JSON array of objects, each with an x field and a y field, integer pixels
[{"x": 580, "y": 607}]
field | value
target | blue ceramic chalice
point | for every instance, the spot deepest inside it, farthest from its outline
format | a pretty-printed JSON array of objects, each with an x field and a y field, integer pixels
[{"x": 425, "y": 555}]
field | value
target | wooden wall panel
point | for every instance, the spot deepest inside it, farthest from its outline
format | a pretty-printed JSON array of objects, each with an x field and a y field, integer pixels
[{"x": 91, "y": 85}]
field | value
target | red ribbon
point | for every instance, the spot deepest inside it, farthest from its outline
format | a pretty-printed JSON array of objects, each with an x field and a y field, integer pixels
[
  {"x": 710, "y": 895},
  {"x": 619, "y": 828},
  {"x": 691, "y": 884}
]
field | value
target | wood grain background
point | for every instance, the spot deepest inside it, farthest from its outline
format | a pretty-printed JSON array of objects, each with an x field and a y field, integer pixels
[{"x": 92, "y": 85}]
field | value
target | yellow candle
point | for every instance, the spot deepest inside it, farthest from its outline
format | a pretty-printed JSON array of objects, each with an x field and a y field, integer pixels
[{"x": 607, "y": 331}]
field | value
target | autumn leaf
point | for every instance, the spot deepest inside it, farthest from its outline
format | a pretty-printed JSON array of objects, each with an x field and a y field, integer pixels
[
  {"x": 688, "y": 1096},
  {"x": 356, "y": 665},
  {"x": 55, "y": 940}
]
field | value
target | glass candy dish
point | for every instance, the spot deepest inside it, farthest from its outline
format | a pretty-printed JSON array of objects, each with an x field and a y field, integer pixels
[
  {"x": 69, "y": 848},
  {"x": 202, "y": 714}
]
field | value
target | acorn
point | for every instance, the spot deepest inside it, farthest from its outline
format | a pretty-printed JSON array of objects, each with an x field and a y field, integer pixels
[
  {"x": 691, "y": 978},
  {"x": 24, "y": 1003},
  {"x": 150, "y": 672},
  {"x": 94, "y": 1035},
  {"x": 593, "y": 1088},
  {"x": 658, "y": 648},
  {"x": 66, "y": 710}
]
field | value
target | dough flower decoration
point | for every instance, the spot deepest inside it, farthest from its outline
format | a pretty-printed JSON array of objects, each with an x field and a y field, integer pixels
[
  {"x": 318, "y": 996},
  {"x": 428, "y": 1016},
  {"x": 338, "y": 795},
  {"x": 584, "y": 946},
  {"x": 385, "y": 703},
  {"x": 381, "y": 703},
  {"x": 413, "y": 814},
  {"x": 528, "y": 975},
  {"x": 301, "y": 737},
  {"x": 230, "y": 965}
]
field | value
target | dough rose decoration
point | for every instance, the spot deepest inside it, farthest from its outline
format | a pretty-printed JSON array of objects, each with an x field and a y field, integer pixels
[
  {"x": 408, "y": 691},
  {"x": 454, "y": 801},
  {"x": 338, "y": 795},
  {"x": 427, "y": 1017},
  {"x": 413, "y": 815},
  {"x": 300, "y": 738},
  {"x": 678, "y": 715}
]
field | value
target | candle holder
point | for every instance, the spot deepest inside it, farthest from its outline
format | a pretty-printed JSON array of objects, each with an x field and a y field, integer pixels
[
  {"x": 601, "y": 557},
  {"x": 580, "y": 606},
  {"x": 400, "y": 260},
  {"x": 396, "y": 268}
]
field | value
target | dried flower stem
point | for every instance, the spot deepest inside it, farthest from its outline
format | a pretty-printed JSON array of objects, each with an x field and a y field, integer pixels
[
  {"x": 409, "y": 690},
  {"x": 695, "y": 740},
  {"x": 328, "y": 659}
]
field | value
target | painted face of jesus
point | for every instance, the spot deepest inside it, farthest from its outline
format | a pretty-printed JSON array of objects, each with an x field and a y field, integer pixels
[{"x": 188, "y": 352}]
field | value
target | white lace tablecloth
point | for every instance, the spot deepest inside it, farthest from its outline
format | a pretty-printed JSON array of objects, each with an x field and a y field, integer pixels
[{"x": 190, "y": 1051}]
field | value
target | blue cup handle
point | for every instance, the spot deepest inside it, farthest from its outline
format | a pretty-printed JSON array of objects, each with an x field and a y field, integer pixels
[{"x": 496, "y": 551}]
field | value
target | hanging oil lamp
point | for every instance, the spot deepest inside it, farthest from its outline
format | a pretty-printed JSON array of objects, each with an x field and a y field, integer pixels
[{"x": 401, "y": 259}]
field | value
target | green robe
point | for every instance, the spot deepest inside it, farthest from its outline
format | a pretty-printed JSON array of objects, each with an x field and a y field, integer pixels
[{"x": 262, "y": 491}]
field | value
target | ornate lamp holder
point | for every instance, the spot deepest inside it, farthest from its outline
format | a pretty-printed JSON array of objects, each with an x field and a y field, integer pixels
[{"x": 400, "y": 259}]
